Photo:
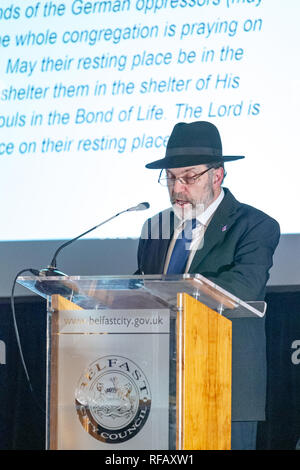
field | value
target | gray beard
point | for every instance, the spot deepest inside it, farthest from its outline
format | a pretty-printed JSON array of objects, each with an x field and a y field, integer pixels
[
  {"x": 188, "y": 212},
  {"x": 194, "y": 209}
]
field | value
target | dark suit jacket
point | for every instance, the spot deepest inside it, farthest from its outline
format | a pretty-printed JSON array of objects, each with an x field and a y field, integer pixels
[{"x": 236, "y": 255}]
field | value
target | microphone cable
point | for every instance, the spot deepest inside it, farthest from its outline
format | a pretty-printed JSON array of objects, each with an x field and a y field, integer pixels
[{"x": 35, "y": 272}]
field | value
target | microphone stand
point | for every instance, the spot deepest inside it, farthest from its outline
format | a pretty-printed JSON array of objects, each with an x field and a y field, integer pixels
[{"x": 52, "y": 271}]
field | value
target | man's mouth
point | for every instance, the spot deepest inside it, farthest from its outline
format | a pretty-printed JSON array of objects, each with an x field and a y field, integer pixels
[{"x": 181, "y": 202}]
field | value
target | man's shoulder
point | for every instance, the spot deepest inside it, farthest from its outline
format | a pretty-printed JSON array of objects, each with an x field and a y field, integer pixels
[
  {"x": 247, "y": 211},
  {"x": 258, "y": 216}
]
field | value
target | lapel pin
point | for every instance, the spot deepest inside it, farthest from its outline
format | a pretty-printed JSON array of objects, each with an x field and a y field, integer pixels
[{"x": 224, "y": 228}]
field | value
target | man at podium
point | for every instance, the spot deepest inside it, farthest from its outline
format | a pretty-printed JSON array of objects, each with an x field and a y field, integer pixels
[{"x": 207, "y": 231}]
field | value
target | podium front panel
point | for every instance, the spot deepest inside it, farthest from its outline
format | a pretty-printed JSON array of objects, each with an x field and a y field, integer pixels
[{"x": 110, "y": 380}]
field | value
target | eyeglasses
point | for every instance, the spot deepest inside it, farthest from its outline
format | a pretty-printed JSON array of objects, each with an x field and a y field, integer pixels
[{"x": 188, "y": 180}]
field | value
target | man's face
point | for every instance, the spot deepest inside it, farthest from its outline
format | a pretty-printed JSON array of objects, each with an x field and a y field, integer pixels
[{"x": 190, "y": 200}]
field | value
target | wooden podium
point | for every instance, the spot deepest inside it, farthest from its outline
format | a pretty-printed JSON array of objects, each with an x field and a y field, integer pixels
[{"x": 138, "y": 362}]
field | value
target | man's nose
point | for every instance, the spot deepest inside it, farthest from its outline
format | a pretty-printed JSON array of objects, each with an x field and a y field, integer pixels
[{"x": 178, "y": 187}]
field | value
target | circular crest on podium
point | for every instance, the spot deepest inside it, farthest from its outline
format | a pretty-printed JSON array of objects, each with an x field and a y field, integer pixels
[{"x": 113, "y": 399}]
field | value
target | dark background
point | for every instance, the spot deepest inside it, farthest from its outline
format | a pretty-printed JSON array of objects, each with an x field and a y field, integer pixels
[{"x": 22, "y": 413}]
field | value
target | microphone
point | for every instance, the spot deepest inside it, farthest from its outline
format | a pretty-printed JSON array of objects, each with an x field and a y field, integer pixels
[
  {"x": 140, "y": 207},
  {"x": 52, "y": 271}
]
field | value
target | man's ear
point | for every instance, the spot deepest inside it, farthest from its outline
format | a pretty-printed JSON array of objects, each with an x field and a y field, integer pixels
[{"x": 218, "y": 176}]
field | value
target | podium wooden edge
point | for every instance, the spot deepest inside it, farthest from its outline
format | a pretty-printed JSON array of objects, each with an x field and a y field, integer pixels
[{"x": 204, "y": 340}]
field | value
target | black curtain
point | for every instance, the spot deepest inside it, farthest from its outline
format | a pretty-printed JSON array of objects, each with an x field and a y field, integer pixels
[
  {"x": 281, "y": 430},
  {"x": 22, "y": 413}
]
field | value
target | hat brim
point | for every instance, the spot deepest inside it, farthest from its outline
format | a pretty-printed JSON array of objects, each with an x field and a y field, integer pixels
[{"x": 180, "y": 161}]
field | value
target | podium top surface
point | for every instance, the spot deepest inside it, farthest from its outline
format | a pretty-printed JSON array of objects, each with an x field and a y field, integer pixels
[{"x": 148, "y": 291}]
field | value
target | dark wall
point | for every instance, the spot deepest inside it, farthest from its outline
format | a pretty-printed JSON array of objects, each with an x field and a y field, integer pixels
[
  {"x": 282, "y": 427},
  {"x": 22, "y": 414}
]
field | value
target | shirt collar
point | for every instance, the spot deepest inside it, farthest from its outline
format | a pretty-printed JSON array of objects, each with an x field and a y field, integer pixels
[{"x": 206, "y": 215}]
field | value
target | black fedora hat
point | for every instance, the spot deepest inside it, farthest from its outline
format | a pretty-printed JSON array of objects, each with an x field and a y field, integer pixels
[{"x": 194, "y": 143}]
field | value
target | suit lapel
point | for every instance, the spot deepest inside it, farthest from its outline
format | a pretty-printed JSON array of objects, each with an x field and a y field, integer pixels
[
  {"x": 162, "y": 254},
  {"x": 218, "y": 227}
]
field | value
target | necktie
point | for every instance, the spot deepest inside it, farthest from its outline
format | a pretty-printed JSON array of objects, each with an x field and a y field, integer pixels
[{"x": 181, "y": 249}]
